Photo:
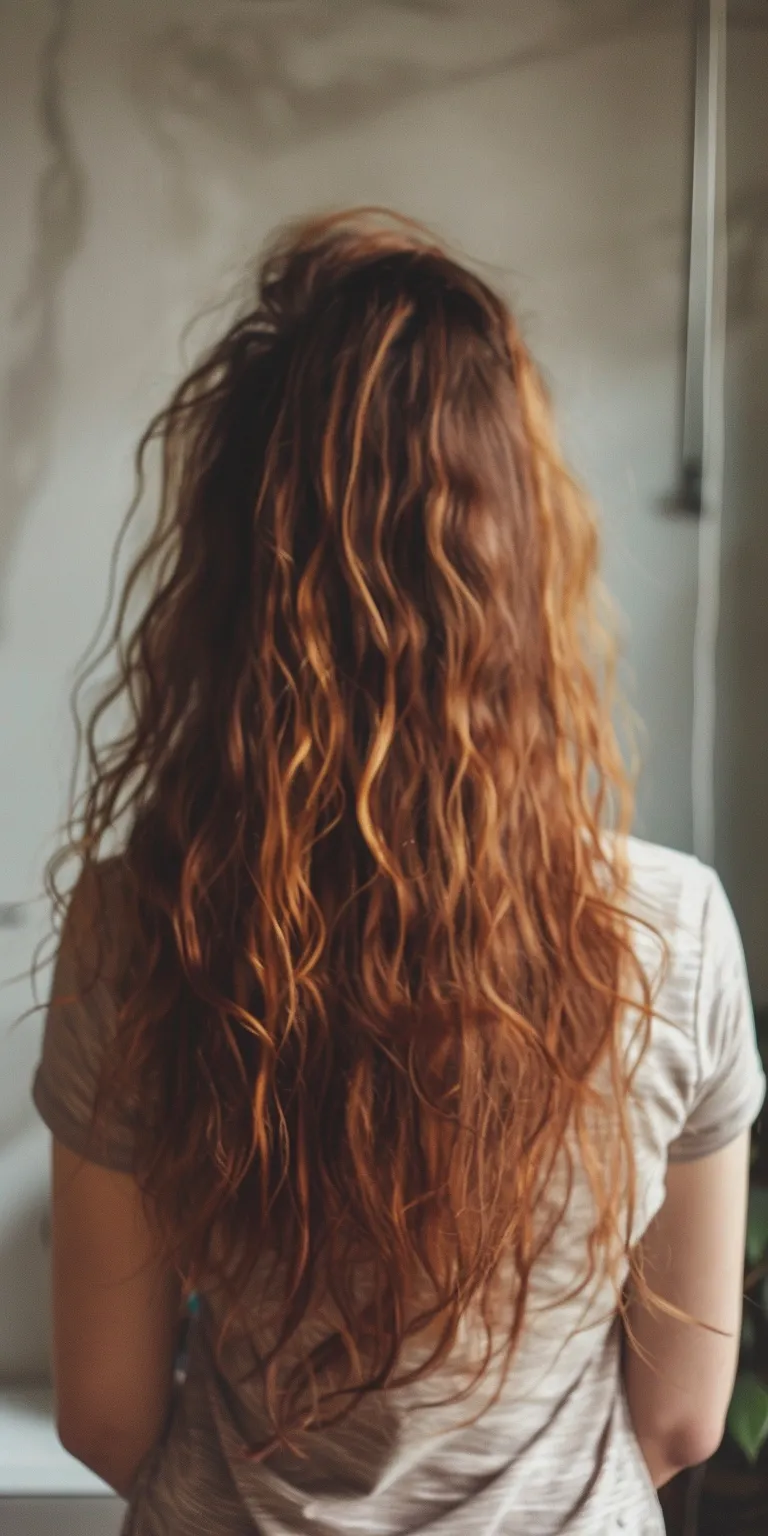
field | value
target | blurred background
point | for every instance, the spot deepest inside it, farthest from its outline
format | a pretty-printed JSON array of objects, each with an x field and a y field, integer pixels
[{"x": 147, "y": 149}]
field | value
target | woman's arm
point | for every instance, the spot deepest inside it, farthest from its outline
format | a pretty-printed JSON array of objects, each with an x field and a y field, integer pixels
[
  {"x": 115, "y": 1320},
  {"x": 694, "y": 1256}
]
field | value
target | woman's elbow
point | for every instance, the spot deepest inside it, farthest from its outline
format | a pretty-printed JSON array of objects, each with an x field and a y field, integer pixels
[
  {"x": 78, "y": 1431},
  {"x": 677, "y": 1445},
  {"x": 84, "y": 1438},
  {"x": 692, "y": 1443},
  {"x": 105, "y": 1450}
]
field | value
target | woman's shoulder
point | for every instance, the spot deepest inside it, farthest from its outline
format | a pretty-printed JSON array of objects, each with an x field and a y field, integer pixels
[
  {"x": 97, "y": 909},
  {"x": 672, "y": 893},
  {"x": 675, "y": 905}
]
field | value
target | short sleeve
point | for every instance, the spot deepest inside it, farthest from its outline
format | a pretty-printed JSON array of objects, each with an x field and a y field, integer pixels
[
  {"x": 80, "y": 1029},
  {"x": 730, "y": 1088}
]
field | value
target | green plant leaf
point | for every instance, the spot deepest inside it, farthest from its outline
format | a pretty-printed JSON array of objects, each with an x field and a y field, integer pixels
[
  {"x": 757, "y": 1224},
  {"x": 748, "y": 1415},
  {"x": 748, "y": 1332},
  {"x": 761, "y": 1022}
]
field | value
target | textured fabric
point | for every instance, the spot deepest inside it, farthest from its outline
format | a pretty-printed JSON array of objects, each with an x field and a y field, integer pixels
[{"x": 556, "y": 1453}]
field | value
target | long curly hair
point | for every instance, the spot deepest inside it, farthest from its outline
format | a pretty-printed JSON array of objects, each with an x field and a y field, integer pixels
[{"x": 379, "y": 955}]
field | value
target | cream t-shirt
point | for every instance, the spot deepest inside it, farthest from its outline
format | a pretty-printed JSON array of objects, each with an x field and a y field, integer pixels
[{"x": 556, "y": 1453}]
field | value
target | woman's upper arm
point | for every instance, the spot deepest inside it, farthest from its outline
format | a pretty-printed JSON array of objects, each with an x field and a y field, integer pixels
[
  {"x": 694, "y": 1257},
  {"x": 115, "y": 1308},
  {"x": 694, "y": 1249}
]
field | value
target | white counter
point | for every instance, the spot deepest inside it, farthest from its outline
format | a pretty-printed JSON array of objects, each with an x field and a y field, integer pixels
[{"x": 32, "y": 1460}]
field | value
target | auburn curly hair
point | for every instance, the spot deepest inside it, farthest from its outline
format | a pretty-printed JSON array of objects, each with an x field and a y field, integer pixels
[{"x": 378, "y": 947}]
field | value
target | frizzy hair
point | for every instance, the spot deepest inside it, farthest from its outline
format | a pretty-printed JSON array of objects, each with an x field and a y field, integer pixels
[{"x": 378, "y": 947}]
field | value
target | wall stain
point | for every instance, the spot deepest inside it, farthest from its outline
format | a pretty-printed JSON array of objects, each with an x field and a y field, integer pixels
[
  {"x": 32, "y": 380},
  {"x": 274, "y": 80}
]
